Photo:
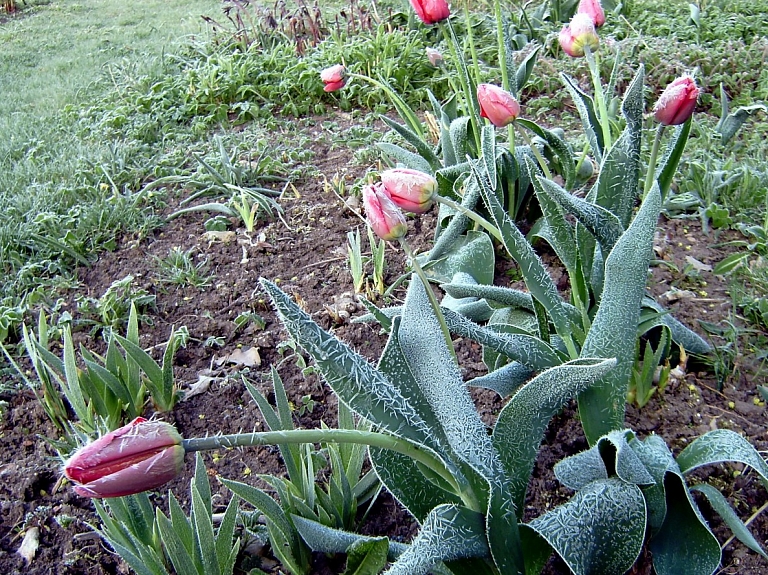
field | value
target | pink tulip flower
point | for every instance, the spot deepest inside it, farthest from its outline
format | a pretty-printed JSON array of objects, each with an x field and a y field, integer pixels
[
  {"x": 594, "y": 10},
  {"x": 431, "y": 11},
  {"x": 498, "y": 105},
  {"x": 676, "y": 103},
  {"x": 140, "y": 456},
  {"x": 410, "y": 190},
  {"x": 384, "y": 217},
  {"x": 334, "y": 78},
  {"x": 579, "y": 34}
]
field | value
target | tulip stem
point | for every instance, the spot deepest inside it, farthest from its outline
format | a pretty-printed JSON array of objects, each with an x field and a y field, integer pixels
[
  {"x": 594, "y": 70},
  {"x": 354, "y": 436},
  {"x": 475, "y": 217},
  {"x": 432, "y": 299},
  {"x": 650, "y": 175},
  {"x": 537, "y": 154}
]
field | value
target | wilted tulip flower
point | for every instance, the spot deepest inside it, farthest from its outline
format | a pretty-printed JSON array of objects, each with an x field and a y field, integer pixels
[
  {"x": 677, "y": 102},
  {"x": 431, "y": 11},
  {"x": 334, "y": 78},
  {"x": 498, "y": 105},
  {"x": 140, "y": 456},
  {"x": 384, "y": 217},
  {"x": 594, "y": 10},
  {"x": 410, "y": 190},
  {"x": 435, "y": 57},
  {"x": 579, "y": 34}
]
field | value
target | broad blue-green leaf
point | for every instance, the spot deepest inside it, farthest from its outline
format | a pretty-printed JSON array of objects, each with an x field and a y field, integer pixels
[
  {"x": 521, "y": 424},
  {"x": 471, "y": 254},
  {"x": 614, "y": 328},
  {"x": 558, "y": 145},
  {"x": 356, "y": 382},
  {"x": 407, "y": 482},
  {"x": 450, "y": 532},
  {"x": 720, "y": 504},
  {"x": 601, "y": 223},
  {"x": 528, "y": 350},
  {"x": 367, "y": 557},
  {"x": 681, "y": 335},
  {"x": 504, "y": 380},
  {"x": 440, "y": 381},
  {"x": 422, "y": 147},
  {"x": 459, "y": 131},
  {"x": 718, "y": 446},
  {"x": 684, "y": 543},
  {"x": 600, "y": 530},
  {"x": 525, "y": 69},
  {"x": 657, "y": 459},
  {"x": 405, "y": 157},
  {"x": 611, "y": 455},
  {"x": 501, "y": 295},
  {"x": 616, "y": 188},
  {"x": 488, "y": 144},
  {"x": 589, "y": 120},
  {"x": 538, "y": 281},
  {"x": 445, "y": 239},
  {"x": 328, "y": 540}
]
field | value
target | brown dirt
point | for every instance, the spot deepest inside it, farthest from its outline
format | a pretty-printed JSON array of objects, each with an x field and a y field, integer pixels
[{"x": 308, "y": 258}]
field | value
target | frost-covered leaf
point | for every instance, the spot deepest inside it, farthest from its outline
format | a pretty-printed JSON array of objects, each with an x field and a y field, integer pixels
[
  {"x": 600, "y": 222},
  {"x": 521, "y": 424},
  {"x": 681, "y": 335},
  {"x": 408, "y": 483},
  {"x": 504, "y": 380},
  {"x": 614, "y": 329},
  {"x": 684, "y": 543},
  {"x": 356, "y": 382},
  {"x": 446, "y": 238},
  {"x": 558, "y": 146},
  {"x": 405, "y": 157},
  {"x": 538, "y": 281},
  {"x": 471, "y": 254},
  {"x": 497, "y": 294},
  {"x": 600, "y": 530},
  {"x": 328, "y": 540},
  {"x": 589, "y": 120},
  {"x": 439, "y": 379},
  {"x": 720, "y": 504},
  {"x": 450, "y": 532},
  {"x": 611, "y": 455},
  {"x": 471, "y": 307},
  {"x": 528, "y": 350},
  {"x": 719, "y": 446}
]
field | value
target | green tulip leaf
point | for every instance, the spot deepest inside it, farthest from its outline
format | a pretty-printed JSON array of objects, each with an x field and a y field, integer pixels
[
  {"x": 665, "y": 171},
  {"x": 367, "y": 557},
  {"x": 600, "y": 530},
  {"x": 589, "y": 120},
  {"x": 505, "y": 380},
  {"x": 323, "y": 539},
  {"x": 422, "y": 147},
  {"x": 521, "y": 424},
  {"x": 405, "y": 157},
  {"x": 497, "y": 294},
  {"x": 681, "y": 335},
  {"x": 558, "y": 145},
  {"x": 718, "y": 446},
  {"x": 613, "y": 331},
  {"x": 471, "y": 254}
]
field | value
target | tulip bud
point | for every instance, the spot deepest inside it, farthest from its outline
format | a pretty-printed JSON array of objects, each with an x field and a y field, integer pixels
[
  {"x": 498, "y": 105},
  {"x": 410, "y": 190},
  {"x": 435, "y": 57},
  {"x": 384, "y": 217},
  {"x": 594, "y": 10},
  {"x": 431, "y": 11},
  {"x": 579, "y": 34},
  {"x": 138, "y": 457},
  {"x": 334, "y": 78},
  {"x": 676, "y": 103}
]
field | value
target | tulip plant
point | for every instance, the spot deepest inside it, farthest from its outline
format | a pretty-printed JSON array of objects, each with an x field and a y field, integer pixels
[{"x": 465, "y": 484}]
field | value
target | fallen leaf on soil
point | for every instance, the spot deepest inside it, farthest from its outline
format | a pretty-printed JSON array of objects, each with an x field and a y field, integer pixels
[
  {"x": 676, "y": 294},
  {"x": 204, "y": 381},
  {"x": 29, "y": 544},
  {"x": 247, "y": 357},
  {"x": 697, "y": 265},
  {"x": 213, "y": 236}
]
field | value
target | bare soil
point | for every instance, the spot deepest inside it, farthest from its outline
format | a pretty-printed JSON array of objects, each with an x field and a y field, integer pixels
[{"x": 308, "y": 259}]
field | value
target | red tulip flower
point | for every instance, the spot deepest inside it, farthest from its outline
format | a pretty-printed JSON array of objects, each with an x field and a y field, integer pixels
[
  {"x": 334, "y": 78},
  {"x": 498, "y": 105},
  {"x": 384, "y": 217},
  {"x": 410, "y": 190},
  {"x": 579, "y": 34},
  {"x": 140, "y": 456},
  {"x": 431, "y": 11},
  {"x": 594, "y": 10},
  {"x": 676, "y": 103}
]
